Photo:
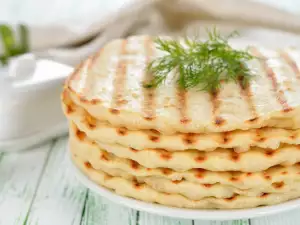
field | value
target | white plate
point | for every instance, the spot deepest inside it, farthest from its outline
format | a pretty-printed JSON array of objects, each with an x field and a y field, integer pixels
[{"x": 182, "y": 213}]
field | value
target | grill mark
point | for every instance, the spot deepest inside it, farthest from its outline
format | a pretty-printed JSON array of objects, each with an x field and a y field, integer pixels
[
  {"x": 291, "y": 63},
  {"x": 95, "y": 57},
  {"x": 119, "y": 80},
  {"x": 182, "y": 108},
  {"x": 149, "y": 93},
  {"x": 246, "y": 92},
  {"x": 271, "y": 76},
  {"x": 219, "y": 121},
  {"x": 87, "y": 81}
]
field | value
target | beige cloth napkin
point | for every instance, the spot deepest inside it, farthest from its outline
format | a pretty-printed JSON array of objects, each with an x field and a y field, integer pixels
[{"x": 256, "y": 22}]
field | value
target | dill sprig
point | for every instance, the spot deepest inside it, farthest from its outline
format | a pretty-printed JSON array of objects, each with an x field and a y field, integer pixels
[{"x": 201, "y": 64}]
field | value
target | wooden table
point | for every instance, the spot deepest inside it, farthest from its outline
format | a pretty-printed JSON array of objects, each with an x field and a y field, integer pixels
[{"x": 37, "y": 188}]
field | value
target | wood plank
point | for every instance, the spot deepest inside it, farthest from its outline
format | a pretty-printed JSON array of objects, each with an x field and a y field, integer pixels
[
  {"x": 100, "y": 211},
  {"x": 151, "y": 219},
  {"x": 286, "y": 218},
  {"x": 60, "y": 197},
  {"x": 19, "y": 177},
  {"x": 233, "y": 222}
]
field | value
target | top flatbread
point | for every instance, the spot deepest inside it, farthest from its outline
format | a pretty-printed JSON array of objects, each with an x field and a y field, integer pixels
[{"x": 109, "y": 86}]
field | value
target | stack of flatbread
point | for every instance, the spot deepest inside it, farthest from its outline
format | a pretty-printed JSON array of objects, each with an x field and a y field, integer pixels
[{"x": 235, "y": 148}]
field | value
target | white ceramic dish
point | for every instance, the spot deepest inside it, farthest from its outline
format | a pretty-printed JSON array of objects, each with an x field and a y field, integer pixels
[{"x": 183, "y": 213}]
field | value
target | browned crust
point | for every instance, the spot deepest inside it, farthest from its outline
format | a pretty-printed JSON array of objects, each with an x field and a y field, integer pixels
[
  {"x": 149, "y": 93},
  {"x": 280, "y": 97},
  {"x": 291, "y": 63}
]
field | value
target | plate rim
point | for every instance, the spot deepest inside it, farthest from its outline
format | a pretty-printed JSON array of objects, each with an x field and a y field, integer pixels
[{"x": 180, "y": 213}]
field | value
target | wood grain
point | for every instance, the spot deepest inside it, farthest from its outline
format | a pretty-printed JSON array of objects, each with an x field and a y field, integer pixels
[
  {"x": 100, "y": 211},
  {"x": 287, "y": 218},
  {"x": 19, "y": 178},
  {"x": 233, "y": 222},
  {"x": 60, "y": 197},
  {"x": 151, "y": 219}
]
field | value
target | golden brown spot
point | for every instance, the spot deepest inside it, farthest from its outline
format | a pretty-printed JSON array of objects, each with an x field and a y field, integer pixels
[
  {"x": 166, "y": 155},
  {"x": 284, "y": 172},
  {"x": 154, "y": 138},
  {"x": 189, "y": 138},
  {"x": 185, "y": 121},
  {"x": 226, "y": 137},
  {"x": 155, "y": 132},
  {"x": 115, "y": 111},
  {"x": 262, "y": 139},
  {"x": 148, "y": 169},
  {"x": 108, "y": 177},
  {"x": 293, "y": 136},
  {"x": 149, "y": 118},
  {"x": 199, "y": 173},
  {"x": 259, "y": 138},
  {"x": 219, "y": 121},
  {"x": 207, "y": 185},
  {"x": 134, "y": 165},
  {"x": 278, "y": 184},
  {"x": 137, "y": 186},
  {"x": 167, "y": 171},
  {"x": 81, "y": 135},
  {"x": 69, "y": 109},
  {"x": 253, "y": 120},
  {"x": 122, "y": 131},
  {"x": 270, "y": 152},
  {"x": 91, "y": 121},
  {"x": 176, "y": 181},
  {"x": 249, "y": 174},
  {"x": 83, "y": 99},
  {"x": 267, "y": 177},
  {"x": 133, "y": 150},
  {"x": 264, "y": 195},
  {"x": 231, "y": 198},
  {"x": 200, "y": 159},
  {"x": 235, "y": 156},
  {"x": 95, "y": 101},
  {"x": 88, "y": 165},
  {"x": 234, "y": 179},
  {"x": 104, "y": 157}
]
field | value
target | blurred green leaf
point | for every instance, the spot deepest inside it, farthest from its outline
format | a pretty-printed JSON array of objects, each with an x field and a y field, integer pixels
[{"x": 11, "y": 48}]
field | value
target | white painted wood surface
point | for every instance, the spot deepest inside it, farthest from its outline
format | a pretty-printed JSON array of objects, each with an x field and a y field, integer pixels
[{"x": 37, "y": 188}]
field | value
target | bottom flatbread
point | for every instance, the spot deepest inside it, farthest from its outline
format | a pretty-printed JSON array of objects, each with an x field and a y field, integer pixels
[{"x": 144, "y": 192}]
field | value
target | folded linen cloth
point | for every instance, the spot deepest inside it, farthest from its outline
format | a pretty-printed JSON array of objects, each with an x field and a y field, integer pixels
[
  {"x": 257, "y": 23},
  {"x": 168, "y": 17}
]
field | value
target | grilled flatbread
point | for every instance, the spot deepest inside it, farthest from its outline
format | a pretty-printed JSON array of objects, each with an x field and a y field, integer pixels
[
  {"x": 196, "y": 191},
  {"x": 109, "y": 86},
  {"x": 241, "y": 141},
  {"x": 127, "y": 159},
  {"x": 144, "y": 192}
]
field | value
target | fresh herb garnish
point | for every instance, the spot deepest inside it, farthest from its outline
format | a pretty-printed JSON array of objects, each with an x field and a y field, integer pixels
[
  {"x": 10, "y": 46},
  {"x": 201, "y": 64}
]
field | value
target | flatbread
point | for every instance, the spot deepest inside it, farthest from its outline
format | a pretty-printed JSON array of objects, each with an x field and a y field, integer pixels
[
  {"x": 255, "y": 160},
  {"x": 196, "y": 191},
  {"x": 144, "y": 192},
  {"x": 139, "y": 139},
  {"x": 109, "y": 85}
]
